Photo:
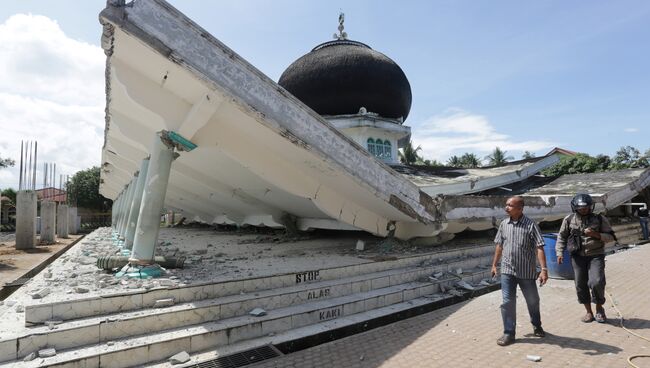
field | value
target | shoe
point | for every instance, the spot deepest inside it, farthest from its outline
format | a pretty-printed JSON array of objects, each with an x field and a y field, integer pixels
[
  {"x": 505, "y": 340},
  {"x": 587, "y": 318},
  {"x": 600, "y": 317},
  {"x": 539, "y": 332}
]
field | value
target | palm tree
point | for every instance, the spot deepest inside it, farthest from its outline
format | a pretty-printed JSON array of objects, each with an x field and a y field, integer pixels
[
  {"x": 409, "y": 155},
  {"x": 454, "y": 161},
  {"x": 498, "y": 157},
  {"x": 470, "y": 161}
]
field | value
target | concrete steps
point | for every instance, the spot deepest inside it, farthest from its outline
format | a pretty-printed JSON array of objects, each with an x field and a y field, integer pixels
[
  {"x": 39, "y": 313},
  {"x": 296, "y": 339},
  {"x": 138, "y": 350},
  {"x": 205, "y": 323}
]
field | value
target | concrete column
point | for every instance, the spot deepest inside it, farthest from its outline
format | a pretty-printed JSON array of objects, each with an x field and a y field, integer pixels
[
  {"x": 25, "y": 219},
  {"x": 62, "y": 221},
  {"x": 127, "y": 208},
  {"x": 72, "y": 220},
  {"x": 135, "y": 206},
  {"x": 48, "y": 222},
  {"x": 114, "y": 209},
  {"x": 153, "y": 199}
]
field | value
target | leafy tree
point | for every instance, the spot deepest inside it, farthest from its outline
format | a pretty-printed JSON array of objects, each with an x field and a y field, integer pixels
[
  {"x": 578, "y": 164},
  {"x": 409, "y": 155},
  {"x": 11, "y": 194},
  {"x": 629, "y": 157},
  {"x": 527, "y": 155},
  {"x": 470, "y": 160},
  {"x": 6, "y": 162},
  {"x": 454, "y": 161},
  {"x": 432, "y": 163},
  {"x": 498, "y": 157},
  {"x": 604, "y": 162},
  {"x": 83, "y": 190}
]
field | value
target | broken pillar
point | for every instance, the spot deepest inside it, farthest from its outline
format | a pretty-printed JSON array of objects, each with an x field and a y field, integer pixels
[
  {"x": 25, "y": 219},
  {"x": 48, "y": 222},
  {"x": 135, "y": 205},
  {"x": 128, "y": 199},
  {"x": 62, "y": 221},
  {"x": 141, "y": 264}
]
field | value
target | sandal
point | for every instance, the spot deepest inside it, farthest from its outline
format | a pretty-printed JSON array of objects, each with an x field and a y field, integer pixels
[
  {"x": 600, "y": 317},
  {"x": 588, "y": 318}
]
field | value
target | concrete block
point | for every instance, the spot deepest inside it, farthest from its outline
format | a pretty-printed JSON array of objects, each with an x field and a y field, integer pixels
[
  {"x": 180, "y": 358},
  {"x": 46, "y": 353},
  {"x": 161, "y": 303},
  {"x": 38, "y": 313},
  {"x": 257, "y": 312}
]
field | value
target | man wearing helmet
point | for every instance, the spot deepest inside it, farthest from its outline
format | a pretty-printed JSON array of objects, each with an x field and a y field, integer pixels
[{"x": 586, "y": 234}]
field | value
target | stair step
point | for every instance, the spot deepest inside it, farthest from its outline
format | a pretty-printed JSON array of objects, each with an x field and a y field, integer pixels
[
  {"x": 296, "y": 339},
  {"x": 40, "y": 312},
  {"x": 158, "y": 346},
  {"x": 106, "y": 328}
]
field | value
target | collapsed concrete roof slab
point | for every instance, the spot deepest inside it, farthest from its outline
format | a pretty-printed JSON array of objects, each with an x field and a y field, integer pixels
[
  {"x": 550, "y": 202},
  {"x": 453, "y": 181},
  {"x": 261, "y": 153}
]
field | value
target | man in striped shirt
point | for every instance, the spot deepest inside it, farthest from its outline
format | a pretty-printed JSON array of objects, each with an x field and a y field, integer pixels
[{"x": 518, "y": 242}]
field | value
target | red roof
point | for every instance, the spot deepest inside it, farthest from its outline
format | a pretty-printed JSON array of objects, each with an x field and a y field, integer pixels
[{"x": 52, "y": 194}]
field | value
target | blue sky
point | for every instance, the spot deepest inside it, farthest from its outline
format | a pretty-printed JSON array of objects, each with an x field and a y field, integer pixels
[{"x": 521, "y": 75}]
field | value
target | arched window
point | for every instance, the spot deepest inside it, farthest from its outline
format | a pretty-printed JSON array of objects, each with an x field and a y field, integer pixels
[
  {"x": 388, "y": 152},
  {"x": 372, "y": 148}
]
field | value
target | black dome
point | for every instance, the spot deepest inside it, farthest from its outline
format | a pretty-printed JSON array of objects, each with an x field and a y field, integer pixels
[{"x": 340, "y": 77}]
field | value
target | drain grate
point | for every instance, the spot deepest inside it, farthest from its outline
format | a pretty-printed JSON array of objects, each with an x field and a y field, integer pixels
[{"x": 240, "y": 359}]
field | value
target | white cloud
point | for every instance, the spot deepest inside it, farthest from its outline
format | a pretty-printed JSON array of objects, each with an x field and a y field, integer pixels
[
  {"x": 631, "y": 130},
  {"x": 456, "y": 132},
  {"x": 51, "y": 91}
]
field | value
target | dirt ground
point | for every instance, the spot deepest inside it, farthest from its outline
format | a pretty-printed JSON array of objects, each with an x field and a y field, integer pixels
[{"x": 15, "y": 263}]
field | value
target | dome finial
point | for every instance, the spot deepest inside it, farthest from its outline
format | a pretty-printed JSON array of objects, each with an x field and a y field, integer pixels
[{"x": 342, "y": 35}]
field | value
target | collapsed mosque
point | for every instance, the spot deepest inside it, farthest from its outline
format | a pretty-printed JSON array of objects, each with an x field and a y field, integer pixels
[
  {"x": 193, "y": 127},
  {"x": 318, "y": 149}
]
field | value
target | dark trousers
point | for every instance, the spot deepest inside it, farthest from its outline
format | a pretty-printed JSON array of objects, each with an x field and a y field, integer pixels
[
  {"x": 643, "y": 221},
  {"x": 589, "y": 274}
]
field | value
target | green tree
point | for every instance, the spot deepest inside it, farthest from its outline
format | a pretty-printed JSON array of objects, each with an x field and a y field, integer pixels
[
  {"x": 470, "y": 160},
  {"x": 454, "y": 161},
  {"x": 9, "y": 193},
  {"x": 577, "y": 164},
  {"x": 83, "y": 190},
  {"x": 629, "y": 157},
  {"x": 6, "y": 162},
  {"x": 432, "y": 163},
  {"x": 498, "y": 157},
  {"x": 409, "y": 155},
  {"x": 527, "y": 155}
]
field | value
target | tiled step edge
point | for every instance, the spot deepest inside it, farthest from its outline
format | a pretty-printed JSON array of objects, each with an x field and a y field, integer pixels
[
  {"x": 102, "y": 329},
  {"x": 313, "y": 335},
  {"x": 140, "y": 350},
  {"x": 41, "y": 312}
]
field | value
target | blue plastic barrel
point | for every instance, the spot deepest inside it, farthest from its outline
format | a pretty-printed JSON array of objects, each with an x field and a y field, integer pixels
[{"x": 557, "y": 271}]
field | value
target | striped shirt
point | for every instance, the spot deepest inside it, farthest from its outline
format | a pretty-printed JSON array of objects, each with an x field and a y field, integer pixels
[{"x": 520, "y": 240}]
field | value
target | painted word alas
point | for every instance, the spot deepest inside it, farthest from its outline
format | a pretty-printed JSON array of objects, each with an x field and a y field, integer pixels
[
  {"x": 329, "y": 314},
  {"x": 315, "y": 294},
  {"x": 307, "y": 276}
]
